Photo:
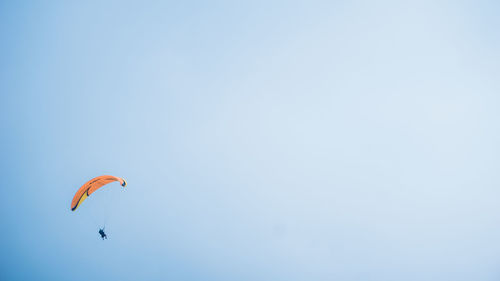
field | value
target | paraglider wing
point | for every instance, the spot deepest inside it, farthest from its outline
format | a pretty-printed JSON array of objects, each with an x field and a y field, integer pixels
[{"x": 91, "y": 186}]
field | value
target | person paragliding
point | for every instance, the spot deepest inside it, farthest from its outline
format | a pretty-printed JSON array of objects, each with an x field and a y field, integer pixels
[
  {"x": 90, "y": 187},
  {"x": 103, "y": 235}
]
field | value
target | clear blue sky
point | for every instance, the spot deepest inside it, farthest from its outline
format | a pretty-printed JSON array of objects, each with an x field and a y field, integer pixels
[{"x": 261, "y": 140}]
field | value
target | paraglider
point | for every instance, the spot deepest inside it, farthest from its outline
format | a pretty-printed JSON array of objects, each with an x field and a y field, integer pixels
[
  {"x": 91, "y": 186},
  {"x": 88, "y": 188},
  {"x": 103, "y": 235}
]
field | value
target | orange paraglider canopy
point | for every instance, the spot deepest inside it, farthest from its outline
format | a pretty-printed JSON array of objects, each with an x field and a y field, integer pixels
[{"x": 91, "y": 186}]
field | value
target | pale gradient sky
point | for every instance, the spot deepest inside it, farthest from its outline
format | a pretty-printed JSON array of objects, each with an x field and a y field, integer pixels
[{"x": 261, "y": 140}]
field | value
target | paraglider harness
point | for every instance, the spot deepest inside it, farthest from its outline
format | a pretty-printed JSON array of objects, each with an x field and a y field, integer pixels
[{"x": 103, "y": 235}]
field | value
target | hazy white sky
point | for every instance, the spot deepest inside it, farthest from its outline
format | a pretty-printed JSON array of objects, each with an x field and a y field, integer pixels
[{"x": 261, "y": 140}]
